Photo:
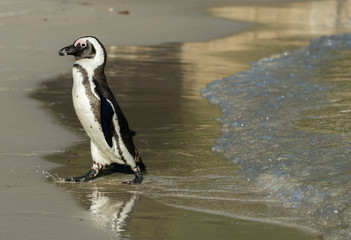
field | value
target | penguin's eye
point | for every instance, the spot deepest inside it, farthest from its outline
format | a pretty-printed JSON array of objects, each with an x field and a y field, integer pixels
[{"x": 83, "y": 44}]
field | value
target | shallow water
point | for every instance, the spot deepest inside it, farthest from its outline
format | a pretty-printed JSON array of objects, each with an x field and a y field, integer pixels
[
  {"x": 188, "y": 191},
  {"x": 286, "y": 123}
]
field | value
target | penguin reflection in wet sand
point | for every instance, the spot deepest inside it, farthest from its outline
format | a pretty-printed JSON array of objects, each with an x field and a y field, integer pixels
[{"x": 99, "y": 112}]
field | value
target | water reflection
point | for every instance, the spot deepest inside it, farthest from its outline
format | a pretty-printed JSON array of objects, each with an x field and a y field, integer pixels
[
  {"x": 289, "y": 19},
  {"x": 112, "y": 213}
]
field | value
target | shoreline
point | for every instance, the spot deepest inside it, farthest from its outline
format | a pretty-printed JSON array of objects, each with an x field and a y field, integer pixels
[{"x": 30, "y": 133}]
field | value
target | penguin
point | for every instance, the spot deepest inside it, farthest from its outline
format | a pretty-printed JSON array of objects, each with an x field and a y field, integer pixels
[{"x": 111, "y": 140}]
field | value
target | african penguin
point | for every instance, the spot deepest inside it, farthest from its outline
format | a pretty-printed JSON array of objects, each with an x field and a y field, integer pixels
[{"x": 98, "y": 111}]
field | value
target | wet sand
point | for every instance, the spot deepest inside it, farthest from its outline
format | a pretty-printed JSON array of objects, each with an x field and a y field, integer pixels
[{"x": 33, "y": 208}]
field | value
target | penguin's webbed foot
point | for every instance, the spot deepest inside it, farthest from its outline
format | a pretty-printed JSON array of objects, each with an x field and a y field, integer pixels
[
  {"x": 138, "y": 177},
  {"x": 136, "y": 180},
  {"x": 86, "y": 178}
]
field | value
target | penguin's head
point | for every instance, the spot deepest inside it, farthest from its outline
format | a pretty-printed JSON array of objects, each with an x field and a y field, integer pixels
[{"x": 86, "y": 48}]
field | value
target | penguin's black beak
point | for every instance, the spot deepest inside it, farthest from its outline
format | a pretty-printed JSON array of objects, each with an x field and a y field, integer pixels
[{"x": 69, "y": 50}]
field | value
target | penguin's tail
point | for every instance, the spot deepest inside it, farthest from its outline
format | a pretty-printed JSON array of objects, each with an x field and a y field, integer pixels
[{"x": 139, "y": 161}]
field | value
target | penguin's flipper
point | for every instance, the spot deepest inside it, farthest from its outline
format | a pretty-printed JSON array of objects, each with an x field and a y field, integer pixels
[{"x": 106, "y": 118}]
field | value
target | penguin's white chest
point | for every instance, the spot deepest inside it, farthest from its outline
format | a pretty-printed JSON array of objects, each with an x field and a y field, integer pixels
[{"x": 86, "y": 105}]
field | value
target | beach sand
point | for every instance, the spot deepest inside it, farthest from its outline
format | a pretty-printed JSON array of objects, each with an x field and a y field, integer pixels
[{"x": 32, "y": 32}]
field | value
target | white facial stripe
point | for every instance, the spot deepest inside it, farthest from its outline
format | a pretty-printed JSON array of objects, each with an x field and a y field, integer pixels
[{"x": 99, "y": 56}]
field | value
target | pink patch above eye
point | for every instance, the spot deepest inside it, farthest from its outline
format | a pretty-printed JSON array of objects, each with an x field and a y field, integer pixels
[{"x": 79, "y": 41}]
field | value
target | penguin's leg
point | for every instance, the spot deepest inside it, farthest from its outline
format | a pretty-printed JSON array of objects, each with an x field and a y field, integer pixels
[
  {"x": 98, "y": 163},
  {"x": 138, "y": 176}
]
